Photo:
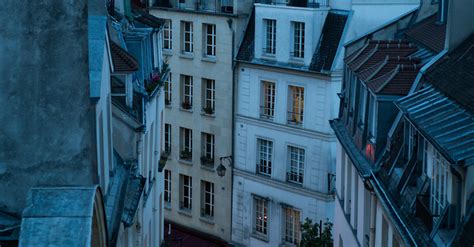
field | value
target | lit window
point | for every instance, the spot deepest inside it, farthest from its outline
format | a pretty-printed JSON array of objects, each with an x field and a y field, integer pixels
[
  {"x": 291, "y": 225},
  {"x": 270, "y": 41},
  {"x": 209, "y": 96},
  {"x": 208, "y": 199},
  {"x": 168, "y": 90},
  {"x": 207, "y": 157},
  {"x": 167, "y": 189},
  {"x": 210, "y": 42},
  {"x": 188, "y": 37},
  {"x": 295, "y": 172},
  {"x": 298, "y": 39},
  {"x": 167, "y": 35},
  {"x": 186, "y": 192},
  {"x": 187, "y": 92},
  {"x": 186, "y": 144},
  {"x": 267, "y": 107},
  {"x": 261, "y": 216},
  {"x": 265, "y": 153},
  {"x": 295, "y": 105}
]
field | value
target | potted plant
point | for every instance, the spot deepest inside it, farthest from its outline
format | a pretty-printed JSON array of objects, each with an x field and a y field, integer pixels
[
  {"x": 186, "y": 105},
  {"x": 207, "y": 160},
  {"x": 162, "y": 162},
  {"x": 208, "y": 110},
  {"x": 185, "y": 155}
]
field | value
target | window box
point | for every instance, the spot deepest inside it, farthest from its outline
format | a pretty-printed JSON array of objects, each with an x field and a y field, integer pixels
[
  {"x": 208, "y": 110},
  {"x": 207, "y": 161},
  {"x": 186, "y": 106},
  {"x": 162, "y": 162},
  {"x": 185, "y": 155}
]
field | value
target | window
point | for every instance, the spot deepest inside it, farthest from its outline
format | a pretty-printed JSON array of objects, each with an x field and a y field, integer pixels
[
  {"x": 168, "y": 90},
  {"x": 298, "y": 39},
  {"x": 188, "y": 37},
  {"x": 208, "y": 199},
  {"x": 295, "y": 105},
  {"x": 270, "y": 40},
  {"x": 186, "y": 192},
  {"x": 267, "y": 104},
  {"x": 265, "y": 153},
  {"x": 167, "y": 189},
  {"x": 210, "y": 40},
  {"x": 439, "y": 182},
  {"x": 209, "y": 96},
  {"x": 186, "y": 144},
  {"x": 168, "y": 138},
  {"x": 187, "y": 92},
  {"x": 261, "y": 216},
  {"x": 291, "y": 226},
  {"x": 167, "y": 35},
  {"x": 296, "y": 165},
  {"x": 207, "y": 157}
]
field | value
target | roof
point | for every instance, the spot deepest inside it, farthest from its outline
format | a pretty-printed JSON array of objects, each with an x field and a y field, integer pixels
[
  {"x": 333, "y": 28},
  {"x": 132, "y": 198},
  {"x": 395, "y": 82},
  {"x": 428, "y": 33},
  {"x": 323, "y": 56},
  {"x": 454, "y": 75},
  {"x": 96, "y": 32},
  {"x": 121, "y": 59},
  {"x": 148, "y": 20},
  {"x": 443, "y": 122},
  {"x": 59, "y": 216},
  {"x": 384, "y": 66}
]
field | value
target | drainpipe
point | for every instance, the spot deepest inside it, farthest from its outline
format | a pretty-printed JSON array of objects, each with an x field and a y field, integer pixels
[
  {"x": 373, "y": 201},
  {"x": 138, "y": 226},
  {"x": 457, "y": 214},
  {"x": 229, "y": 22}
]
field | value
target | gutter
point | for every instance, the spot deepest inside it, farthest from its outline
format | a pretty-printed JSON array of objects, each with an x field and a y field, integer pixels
[{"x": 234, "y": 82}]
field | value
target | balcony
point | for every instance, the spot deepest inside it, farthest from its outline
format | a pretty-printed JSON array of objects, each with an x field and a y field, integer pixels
[
  {"x": 296, "y": 3},
  {"x": 209, "y": 6}
]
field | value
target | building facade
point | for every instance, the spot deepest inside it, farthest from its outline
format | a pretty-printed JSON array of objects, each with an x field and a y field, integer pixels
[
  {"x": 289, "y": 67},
  {"x": 200, "y": 39}
]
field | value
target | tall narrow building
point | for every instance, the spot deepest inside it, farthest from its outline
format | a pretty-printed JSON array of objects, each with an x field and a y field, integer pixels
[
  {"x": 200, "y": 40},
  {"x": 289, "y": 69}
]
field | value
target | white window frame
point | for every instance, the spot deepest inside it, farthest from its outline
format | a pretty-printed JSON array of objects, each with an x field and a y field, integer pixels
[
  {"x": 168, "y": 35},
  {"x": 208, "y": 199},
  {"x": 296, "y": 160},
  {"x": 267, "y": 103},
  {"x": 261, "y": 216},
  {"x": 298, "y": 39},
  {"x": 439, "y": 182},
  {"x": 187, "y": 90},
  {"x": 168, "y": 90},
  {"x": 295, "y": 104},
  {"x": 210, "y": 40},
  {"x": 168, "y": 138},
  {"x": 186, "y": 202},
  {"x": 291, "y": 226},
  {"x": 188, "y": 37},
  {"x": 264, "y": 156},
  {"x": 187, "y": 140},
  {"x": 167, "y": 187},
  {"x": 270, "y": 37},
  {"x": 209, "y": 94}
]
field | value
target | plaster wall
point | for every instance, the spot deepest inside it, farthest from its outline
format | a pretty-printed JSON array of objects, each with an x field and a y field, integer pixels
[{"x": 48, "y": 126}]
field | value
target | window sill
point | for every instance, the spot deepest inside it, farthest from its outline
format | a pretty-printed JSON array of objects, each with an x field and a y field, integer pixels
[
  {"x": 186, "y": 110},
  {"x": 264, "y": 174},
  {"x": 267, "y": 119},
  {"x": 185, "y": 212},
  {"x": 208, "y": 168},
  {"x": 295, "y": 124},
  {"x": 167, "y": 52},
  {"x": 296, "y": 60},
  {"x": 269, "y": 56},
  {"x": 213, "y": 115},
  {"x": 295, "y": 183},
  {"x": 186, "y": 55},
  {"x": 210, "y": 59},
  {"x": 207, "y": 220},
  {"x": 167, "y": 206},
  {"x": 186, "y": 162},
  {"x": 168, "y": 106},
  {"x": 259, "y": 237}
]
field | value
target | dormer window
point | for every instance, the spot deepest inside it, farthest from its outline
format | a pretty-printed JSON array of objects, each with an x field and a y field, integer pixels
[{"x": 270, "y": 37}]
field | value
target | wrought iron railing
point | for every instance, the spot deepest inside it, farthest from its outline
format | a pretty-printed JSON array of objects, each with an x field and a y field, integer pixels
[
  {"x": 213, "y": 6},
  {"x": 296, "y": 3},
  {"x": 264, "y": 170},
  {"x": 267, "y": 112},
  {"x": 295, "y": 118},
  {"x": 294, "y": 177}
]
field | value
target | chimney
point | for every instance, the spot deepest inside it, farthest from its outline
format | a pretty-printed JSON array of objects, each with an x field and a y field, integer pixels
[{"x": 460, "y": 21}]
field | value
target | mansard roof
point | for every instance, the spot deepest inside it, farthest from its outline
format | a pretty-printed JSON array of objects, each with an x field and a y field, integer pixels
[
  {"x": 395, "y": 82},
  {"x": 121, "y": 59},
  {"x": 428, "y": 33}
]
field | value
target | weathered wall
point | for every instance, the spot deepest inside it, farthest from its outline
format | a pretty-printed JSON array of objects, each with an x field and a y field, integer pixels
[{"x": 46, "y": 117}]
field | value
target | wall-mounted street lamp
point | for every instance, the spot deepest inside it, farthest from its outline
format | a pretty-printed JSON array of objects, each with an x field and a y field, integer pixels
[{"x": 221, "y": 168}]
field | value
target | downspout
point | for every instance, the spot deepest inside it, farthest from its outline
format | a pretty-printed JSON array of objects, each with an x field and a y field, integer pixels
[
  {"x": 229, "y": 22},
  {"x": 138, "y": 225},
  {"x": 373, "y": 201},
  {"x": 459, "y": 195}
]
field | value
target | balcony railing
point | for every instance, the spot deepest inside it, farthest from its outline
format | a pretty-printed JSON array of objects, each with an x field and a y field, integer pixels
[
  {"x": 267, "y": 112},
  {"x": 264, "y": 170},
  {"x": 296, "y": 3},
  {"x": 295, "y": 118},
  {"x": 212, "y": 6},
  {"x": 294, "y": 177},
  {"x": 185, "y": 205}
]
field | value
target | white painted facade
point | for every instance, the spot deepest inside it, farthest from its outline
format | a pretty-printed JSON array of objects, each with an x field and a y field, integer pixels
[{"x": 313, "y": 198}]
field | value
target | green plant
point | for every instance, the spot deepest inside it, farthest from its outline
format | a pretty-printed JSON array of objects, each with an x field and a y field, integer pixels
[
  {"x": 185, "y": 154},
  {"x": 316, "y": 235},
  {"x": 208, "y": 110}
]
